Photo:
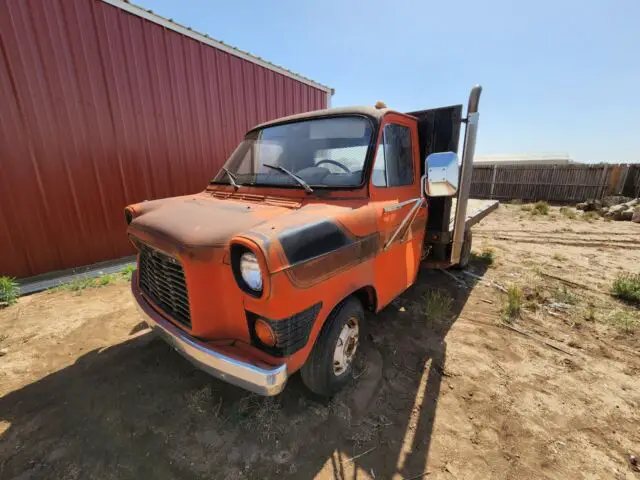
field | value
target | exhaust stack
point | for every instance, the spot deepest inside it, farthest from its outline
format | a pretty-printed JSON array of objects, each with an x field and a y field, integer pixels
[{"x": 466, "y": 171}]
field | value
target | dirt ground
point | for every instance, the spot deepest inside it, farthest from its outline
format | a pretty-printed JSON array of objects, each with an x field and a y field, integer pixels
[{"x": 87, "y": 392}]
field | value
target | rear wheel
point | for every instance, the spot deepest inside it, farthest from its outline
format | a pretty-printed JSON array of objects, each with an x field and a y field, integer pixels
[
  {"x": 465, "y": 253},
  {"x": 329, "y": 366}
]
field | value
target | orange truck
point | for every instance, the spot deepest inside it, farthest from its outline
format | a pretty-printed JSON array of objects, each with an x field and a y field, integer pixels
[{"x": 313, "y": 219}]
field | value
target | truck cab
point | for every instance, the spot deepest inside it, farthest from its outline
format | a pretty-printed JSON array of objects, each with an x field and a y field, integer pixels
[{"x": 313, "y": 219}]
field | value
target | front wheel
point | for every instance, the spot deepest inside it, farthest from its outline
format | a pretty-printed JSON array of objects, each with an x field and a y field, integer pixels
[{"x": 329, "y": 366}]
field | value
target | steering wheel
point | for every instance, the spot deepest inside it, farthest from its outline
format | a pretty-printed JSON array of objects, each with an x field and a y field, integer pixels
[{"x": 336, "y": 163}]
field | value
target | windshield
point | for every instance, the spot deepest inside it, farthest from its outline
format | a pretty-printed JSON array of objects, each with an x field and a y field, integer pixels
[{"x": 328, "y": 152}]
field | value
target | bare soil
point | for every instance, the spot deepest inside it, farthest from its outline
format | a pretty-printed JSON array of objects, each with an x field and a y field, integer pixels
[{"x": 87, "y": 392}]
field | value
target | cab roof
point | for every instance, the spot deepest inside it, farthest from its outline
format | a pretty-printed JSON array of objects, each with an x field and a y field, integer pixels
[{"x": 371, "y": 112}]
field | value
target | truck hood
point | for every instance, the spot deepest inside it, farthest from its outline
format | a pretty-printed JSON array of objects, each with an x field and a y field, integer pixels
[{"x": 199, "y": 221}]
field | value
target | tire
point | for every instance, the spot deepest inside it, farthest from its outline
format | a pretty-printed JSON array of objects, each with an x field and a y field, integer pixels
[
  {"x": 465, "y": 254},
  {"x": 318, "y": 373}
]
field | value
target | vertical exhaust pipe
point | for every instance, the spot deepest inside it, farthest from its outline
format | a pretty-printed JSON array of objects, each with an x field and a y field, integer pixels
[{"x": 466, "y": 171}]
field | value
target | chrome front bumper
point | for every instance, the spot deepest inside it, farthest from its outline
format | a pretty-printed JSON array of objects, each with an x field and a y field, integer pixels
[{"x": 263, "y": 381}]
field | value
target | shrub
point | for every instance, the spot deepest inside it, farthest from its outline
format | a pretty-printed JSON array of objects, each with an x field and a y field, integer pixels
[
  {"x": 542, "y": 208},
  {"x": 515, "y": 201},
  {"x": 568, "y": 212},
  {"x": 626, "y": 287},
  {"x": 511, "y": 310},
  {"x": 486, "y": 256},
  {"x": 9, "y": 291}
]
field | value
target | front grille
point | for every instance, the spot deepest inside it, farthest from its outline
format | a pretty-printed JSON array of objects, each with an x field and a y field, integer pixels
[{"x": 161, "y": 278}]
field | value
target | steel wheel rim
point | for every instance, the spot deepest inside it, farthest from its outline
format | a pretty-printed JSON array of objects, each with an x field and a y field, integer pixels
[{"x": 346, "y": 346}]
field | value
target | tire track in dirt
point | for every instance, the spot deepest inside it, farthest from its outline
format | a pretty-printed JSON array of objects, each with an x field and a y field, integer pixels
[
  {"x": 583, "y": 242},
  {"x": 558, "y": 232}
]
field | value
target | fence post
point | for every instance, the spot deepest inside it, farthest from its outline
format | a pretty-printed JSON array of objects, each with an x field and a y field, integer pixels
[
  {"x": 623, "y": 180},
  {"x": 493, "y": 181},
  {"x": 603, "y": 179}
]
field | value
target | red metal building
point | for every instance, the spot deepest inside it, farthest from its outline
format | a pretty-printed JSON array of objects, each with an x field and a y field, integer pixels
[{"x": 105, "y": 104}]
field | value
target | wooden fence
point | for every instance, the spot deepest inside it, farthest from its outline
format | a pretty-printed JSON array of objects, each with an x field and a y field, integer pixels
[{"x": 555, "y": 183}]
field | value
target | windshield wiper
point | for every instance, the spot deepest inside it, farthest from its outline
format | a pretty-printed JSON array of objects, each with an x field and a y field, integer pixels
[
  {"x": 232, "y": 178},
  {"x": 304, "y": 184}
]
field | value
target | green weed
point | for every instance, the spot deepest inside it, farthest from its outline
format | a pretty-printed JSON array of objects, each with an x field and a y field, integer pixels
[
  {"x": 127, "y": 272},
  {"x": 105, "y": 280},
  {"x": 626, "y": 287},
  {"x": 486, "y": 256},
  {"x": 9, "y": 291}
]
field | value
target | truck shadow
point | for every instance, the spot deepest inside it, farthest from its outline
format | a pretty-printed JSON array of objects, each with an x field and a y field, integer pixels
[{"x": 138, "y": 410}]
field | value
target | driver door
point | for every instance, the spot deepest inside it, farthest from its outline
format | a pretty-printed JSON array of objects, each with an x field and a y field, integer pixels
[{"x": 400, "y": 209}]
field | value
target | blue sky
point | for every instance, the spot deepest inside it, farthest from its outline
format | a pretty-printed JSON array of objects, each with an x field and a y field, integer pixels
[{"x": 558, "y": 76}]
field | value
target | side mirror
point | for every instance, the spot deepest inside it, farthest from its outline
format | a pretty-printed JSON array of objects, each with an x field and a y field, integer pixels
[{"x": 442, "y": 174}]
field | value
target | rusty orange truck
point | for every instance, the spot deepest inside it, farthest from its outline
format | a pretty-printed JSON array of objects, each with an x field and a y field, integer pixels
[{"x": 313, "y": 219}]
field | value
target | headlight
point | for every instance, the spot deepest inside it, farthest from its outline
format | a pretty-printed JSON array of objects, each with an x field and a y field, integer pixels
[{"x": 250, "y": 271}]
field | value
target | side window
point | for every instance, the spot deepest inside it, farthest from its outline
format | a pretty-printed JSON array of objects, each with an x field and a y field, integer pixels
[{"x": 393, "y": 166}]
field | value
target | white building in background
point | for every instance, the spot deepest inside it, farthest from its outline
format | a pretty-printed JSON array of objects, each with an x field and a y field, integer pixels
[{"x": 523, "y": 159}]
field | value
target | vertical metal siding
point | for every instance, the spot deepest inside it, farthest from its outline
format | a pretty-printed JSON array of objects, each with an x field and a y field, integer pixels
[{"x": 102, "y": 108}]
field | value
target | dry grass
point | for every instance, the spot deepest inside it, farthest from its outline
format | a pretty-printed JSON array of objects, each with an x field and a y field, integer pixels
[
  {"x": 590, "y": 314},
  {"x": 437, "y": 305},
  {"x": 564, "y": 295},
  {"x": 590, "y": 216},
  {"x": 513, "y": 307},
  {"x": 625, "y": 321},
  {"x": 200, "y": 401},
  {"x": 568, "y": 212},
  {"x": 260, "y": 415},
  {"x": 538, "y": 208}
]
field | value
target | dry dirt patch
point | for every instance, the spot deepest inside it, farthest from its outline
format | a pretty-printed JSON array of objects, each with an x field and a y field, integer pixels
[{"x": 451, "y": 391}]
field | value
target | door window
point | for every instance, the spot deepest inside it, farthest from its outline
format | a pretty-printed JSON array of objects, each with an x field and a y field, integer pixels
[{"x": 393, "y": 166}]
